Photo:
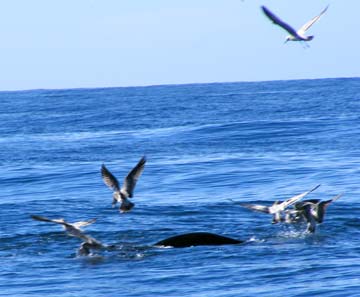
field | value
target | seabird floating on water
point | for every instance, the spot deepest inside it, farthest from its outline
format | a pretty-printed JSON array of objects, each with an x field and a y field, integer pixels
[
  {"x": 127, "y": 190},
  {"x": 295, "y": 35}
]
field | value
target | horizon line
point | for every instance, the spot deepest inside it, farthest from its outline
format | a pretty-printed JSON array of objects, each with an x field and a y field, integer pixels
[{"x": 170, "y": 84}]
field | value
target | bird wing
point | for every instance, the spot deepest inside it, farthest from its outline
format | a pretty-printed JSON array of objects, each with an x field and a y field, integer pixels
[
  {"x": 296, "y": 198},
  {"x": 109, "y": 179},
  {"x": 255, "y": 207},
  {"x": 276, "y": 20},
  {"x": 320, "y": 208},
  {"x": 43, "y": 219},
  {"x": 306, "y": 26},
  {"x": 83, "y": 223},
  {"x": 84, "y": 237},
  {"x": 91, "y": 240},
  {"x": 76, "y": 232},
  {"x": 327, "y": 202},
  {"x": 131, "y": 179},
  {"x": 336, "y": 197}
]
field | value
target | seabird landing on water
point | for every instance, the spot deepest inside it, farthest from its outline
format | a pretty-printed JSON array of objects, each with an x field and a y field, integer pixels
[
  {"x": 295, "y": 35},
  {"x": 127, "y": 190},
  {"x": 312, "y": 211},
  {"x": 278, "y": 207},
  {"x": 73, "y": 229}
]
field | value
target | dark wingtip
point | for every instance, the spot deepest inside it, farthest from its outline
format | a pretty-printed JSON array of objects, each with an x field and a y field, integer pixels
[
  {"x": 314, "y": 188},
  {"x": 103, "y": 168},
  {"x": 142, "y": 160},
  {"x": 268, "y": 13},
  {"x": 39, "y": 218},
  {"x": 264, "y": 9},
  {"x": 35, "y": 217}
]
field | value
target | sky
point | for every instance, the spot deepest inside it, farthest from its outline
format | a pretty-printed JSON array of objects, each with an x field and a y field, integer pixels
[{"x": 114, "y": 43}]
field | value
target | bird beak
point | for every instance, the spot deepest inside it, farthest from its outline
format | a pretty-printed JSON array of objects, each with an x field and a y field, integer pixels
[{"x": 286, "y": 41}]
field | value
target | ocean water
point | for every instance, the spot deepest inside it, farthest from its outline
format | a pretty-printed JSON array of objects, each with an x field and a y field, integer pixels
[{"x": 205, "y": 144}]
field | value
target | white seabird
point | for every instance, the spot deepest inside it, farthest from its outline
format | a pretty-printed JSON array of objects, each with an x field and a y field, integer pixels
[
  {"x": 295, "y": 35},
  {"x": 127, "y": 190},
  {"x": 278, "y": 207}
]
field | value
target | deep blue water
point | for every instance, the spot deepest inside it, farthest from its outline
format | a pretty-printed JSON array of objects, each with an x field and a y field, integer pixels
[{"x": 205, "y": 144}]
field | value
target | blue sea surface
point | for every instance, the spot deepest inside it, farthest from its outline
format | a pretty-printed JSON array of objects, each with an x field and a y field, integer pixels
[{"x": 206, "y": 144}]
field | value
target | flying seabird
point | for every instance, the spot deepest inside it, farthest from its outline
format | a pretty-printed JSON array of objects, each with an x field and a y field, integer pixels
[
  {"x": 127, "y": 190},
  {"x": 73, "y": 229},
  {"x": 295, "y": 35},
  {"x": 278, "y": 207}
]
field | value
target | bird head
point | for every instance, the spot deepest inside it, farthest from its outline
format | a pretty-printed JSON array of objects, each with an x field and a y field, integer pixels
[{"x": 84, "y": 249}]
